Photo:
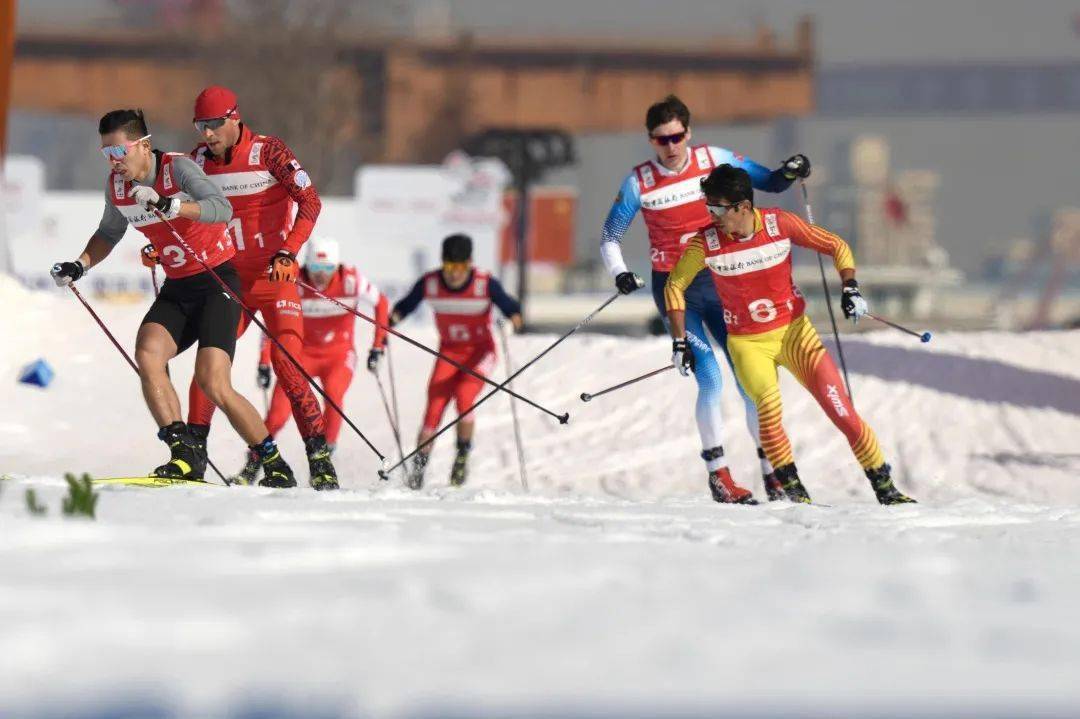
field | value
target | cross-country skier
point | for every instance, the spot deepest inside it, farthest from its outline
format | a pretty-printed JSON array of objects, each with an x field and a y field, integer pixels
[
  {"x": 265, "y": 183},
  {"x": 747, "y": 252},
  {"x": 667, "y": 192},
  {"x": 461, "y": 298},
  {"x": 329, "y": 353},
  {"x": 192, "y": 306}
]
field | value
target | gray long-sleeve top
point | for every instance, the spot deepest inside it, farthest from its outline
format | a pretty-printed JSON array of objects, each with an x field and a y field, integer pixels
[{"x": 189, "y": 177}]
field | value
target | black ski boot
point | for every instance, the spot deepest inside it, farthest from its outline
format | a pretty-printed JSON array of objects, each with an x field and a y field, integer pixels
[
  {"x": 887, "y": 493},
  {"x": 276, "y": 471},
  {"x": 773, "y": 489},
  {"x": 250, "y": 473},
  {"x": 461, "y": 464},
  {"x": 188, "y": 454},
  {"x": 793, "y": 486},
  {"x": 323, "y": 475},
  {"x": 415, "y": 480}
]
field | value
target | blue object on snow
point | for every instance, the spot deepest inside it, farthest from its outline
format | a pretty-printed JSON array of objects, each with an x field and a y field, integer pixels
[{"x": 38, "y": 372}]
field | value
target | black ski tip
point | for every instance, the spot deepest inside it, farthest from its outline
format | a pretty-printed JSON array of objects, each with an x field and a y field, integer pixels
[
  {"x": 585, "y": 396},
  {"x": 563, "y": 419}
]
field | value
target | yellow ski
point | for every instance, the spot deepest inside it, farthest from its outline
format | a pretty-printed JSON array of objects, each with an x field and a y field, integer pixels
[{"x": 149, "y": 482}]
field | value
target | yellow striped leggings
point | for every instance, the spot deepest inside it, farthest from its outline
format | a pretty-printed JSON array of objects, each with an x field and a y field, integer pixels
[{"x": 797, "y": 347}]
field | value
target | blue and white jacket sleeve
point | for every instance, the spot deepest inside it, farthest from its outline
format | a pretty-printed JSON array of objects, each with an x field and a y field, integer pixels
[
  {"x": 626, "y": 205},
  {"x": 761, "y": 177}
]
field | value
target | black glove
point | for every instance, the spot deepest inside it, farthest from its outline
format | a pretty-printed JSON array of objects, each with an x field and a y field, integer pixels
[
  {"x": 682, "y": 357},
  {"x": 373, "y": 357},
  {"x": 627, "y": 282},
  {"x": 262, "y": 377},
  {"x": 852, "y": 302},
  {"x": 796, "y": 166},
  {"x": 64, "y": 273}
]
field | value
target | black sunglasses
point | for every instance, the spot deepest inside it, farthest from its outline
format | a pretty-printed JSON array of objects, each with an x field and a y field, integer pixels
[{"x": 669, "y": 139}]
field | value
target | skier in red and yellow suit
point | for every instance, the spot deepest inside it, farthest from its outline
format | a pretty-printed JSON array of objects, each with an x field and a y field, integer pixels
[
  {"x": 748, "y": 253},
  {"x": 265, "y": 184}
]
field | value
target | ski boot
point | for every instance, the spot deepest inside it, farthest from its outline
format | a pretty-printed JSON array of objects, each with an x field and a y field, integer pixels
[
  {"x": 415, "y": 480},
  {"x": 188, "y": 454},
  {"x": 250, "y": 473},
  {"x": 793, "y": 486},
  {"x": 323, "y": 475},
  {"x": 725, "y": 491},
  {"x": 773, "y": 489},
  {"x": 276, "y": 471},
  {"x": 461, "y": 467},
  {"x": 886, "y": 491}
]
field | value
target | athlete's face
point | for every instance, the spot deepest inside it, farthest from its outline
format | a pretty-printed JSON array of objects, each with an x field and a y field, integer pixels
[
  {"x": 321, "y": 273},
  {"x": 455, "y": 274},
  {"x": 134, "y": 161},
  {"x": 219, "y": 139},
  {"x": 671, "y": 141},
  {"x": 733, "y": 218}
]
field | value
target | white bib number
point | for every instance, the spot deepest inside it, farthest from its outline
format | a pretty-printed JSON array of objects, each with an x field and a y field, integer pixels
[
  {"x": 458, "y": 333},
  {"x": 762, "y": 310},
  {"x": 174, "y": 255}
]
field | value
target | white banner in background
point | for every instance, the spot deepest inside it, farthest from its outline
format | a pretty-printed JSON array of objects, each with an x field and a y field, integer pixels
[{"x": 405, "y": 211}]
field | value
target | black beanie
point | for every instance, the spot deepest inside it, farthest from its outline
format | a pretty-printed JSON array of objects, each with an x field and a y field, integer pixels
[{"x": 457, "y": 248}]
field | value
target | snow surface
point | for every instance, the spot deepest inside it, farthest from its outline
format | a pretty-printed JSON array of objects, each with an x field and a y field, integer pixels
[{"x": 613, "y": 588}]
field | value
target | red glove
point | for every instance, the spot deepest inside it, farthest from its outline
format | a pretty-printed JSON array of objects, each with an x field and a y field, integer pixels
[
  {"x": 149, "y": 256},
  {"x": 283, "y": 267}
]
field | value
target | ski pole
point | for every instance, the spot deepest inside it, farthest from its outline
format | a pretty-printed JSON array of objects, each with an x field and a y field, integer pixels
[
  {"x": 385, "y": 474},
  {"x": 513, "y": 410},
  {"x": 393, "y": 386},
  {"x": 924, "y": 336},
  {"x": 828, "y": 298},
  {"x": 585, "y": 396},
  {"x": 251, "y": 316},
  {"x": 104, "y": 328},
  {"x": 435, "y": 353},
  {"x": 127, "y": 357},
  {"x": 153, "y": 278},
  {"x": 389, "y": 416}
]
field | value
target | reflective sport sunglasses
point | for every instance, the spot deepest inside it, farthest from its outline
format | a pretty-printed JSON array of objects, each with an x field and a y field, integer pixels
[
  {"x": 668, "y": 139},
  {"x": 451, "y": 266},
  {"x": 213, "y": 123},
  {"x": 717, "y": 210},
  {"x": 321, "y": 267},
  {"x": 119, "y": 152}
]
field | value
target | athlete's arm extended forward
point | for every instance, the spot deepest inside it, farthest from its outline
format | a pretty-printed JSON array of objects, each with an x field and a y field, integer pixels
[
  {"x": 408, "y": 303},
  {"x": 208, "y": 204},
  {"x": 686, "y": 269},
  {"x": 821, "y": 240}
]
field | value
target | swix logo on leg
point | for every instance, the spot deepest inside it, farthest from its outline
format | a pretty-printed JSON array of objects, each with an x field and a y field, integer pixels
[{"x": 834, "y": 396}]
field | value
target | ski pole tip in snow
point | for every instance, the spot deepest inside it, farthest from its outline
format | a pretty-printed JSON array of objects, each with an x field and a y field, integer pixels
[
  {"x": 926, "y": 336},
  {"x": 585, "y": 396},
  {"x": 564, "y": 418}
]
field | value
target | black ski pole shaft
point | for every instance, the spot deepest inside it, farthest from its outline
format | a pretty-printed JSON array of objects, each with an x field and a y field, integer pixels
[
  {"x": 924, "y": 336},
  {"x": 513, "y": 410},
  {"x": 464, "y": 368},
  {"x": 104, "y": 328},
  {"x": 128, "y": 357},
  {"x": 586, "y": 396},
  {"x": 389, "y": 416},
  {"x": 393, "y": 387},
  {"x": 562, "y": 420},
  {"x": 828, "y": 298},
  {"x": 251, "y": 316}
]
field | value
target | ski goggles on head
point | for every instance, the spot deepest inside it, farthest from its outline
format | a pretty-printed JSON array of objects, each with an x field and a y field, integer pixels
[
  {"x": 214, "y": 123},
  {"x": 718, "y": 210},
  {"x": 119, "y": 152},
  {"x": 324, "y": 268},
  {"x": 674, "y": 139}
]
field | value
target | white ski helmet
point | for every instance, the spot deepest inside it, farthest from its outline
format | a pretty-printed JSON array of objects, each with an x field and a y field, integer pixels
[{"x": 322, "y": 250}]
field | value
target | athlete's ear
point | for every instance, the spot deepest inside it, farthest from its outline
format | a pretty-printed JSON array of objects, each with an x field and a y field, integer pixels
[{"x": 689, "y": 134}]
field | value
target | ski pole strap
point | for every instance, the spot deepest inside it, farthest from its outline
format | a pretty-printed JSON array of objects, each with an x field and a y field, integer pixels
[
  {"x": 464, "y": 368},
  {"x": 251, "y": 316},
  {"x": 586, "y": 396}
]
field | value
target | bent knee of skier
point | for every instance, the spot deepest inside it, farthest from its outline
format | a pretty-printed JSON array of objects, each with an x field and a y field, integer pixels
[{"x": 212, "y": 373}]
